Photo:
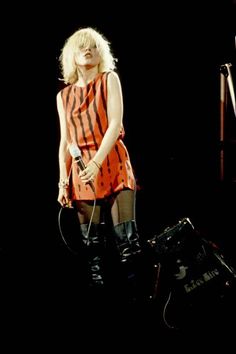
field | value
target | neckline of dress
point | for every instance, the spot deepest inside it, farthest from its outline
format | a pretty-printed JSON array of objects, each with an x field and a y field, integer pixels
[{"x": 89, "y": 83}]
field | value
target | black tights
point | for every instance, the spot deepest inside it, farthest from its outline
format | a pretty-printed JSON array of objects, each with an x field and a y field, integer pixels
[{"x": 121, "y": 206}]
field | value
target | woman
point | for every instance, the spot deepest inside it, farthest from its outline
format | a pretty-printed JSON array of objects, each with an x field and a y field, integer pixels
[{"x": 90, "y": 109}]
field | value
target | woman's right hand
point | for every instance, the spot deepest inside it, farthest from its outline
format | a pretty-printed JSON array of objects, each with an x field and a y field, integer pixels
[{"x": 63, "y": 197}]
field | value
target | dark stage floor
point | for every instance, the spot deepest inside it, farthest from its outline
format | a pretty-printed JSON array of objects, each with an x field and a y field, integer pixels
[{"x": 44, "y": 281}]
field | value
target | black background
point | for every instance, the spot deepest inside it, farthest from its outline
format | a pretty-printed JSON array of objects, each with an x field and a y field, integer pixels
[{"x": 169, "y": 59}]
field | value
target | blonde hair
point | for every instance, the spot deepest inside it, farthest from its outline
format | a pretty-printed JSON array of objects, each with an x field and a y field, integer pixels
[{"x": 84, "y": 37}]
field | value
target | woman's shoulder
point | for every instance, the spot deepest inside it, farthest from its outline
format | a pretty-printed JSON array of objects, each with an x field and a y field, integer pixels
[
  {"x": 112, "y": 77},
  {"x": 112, "y": 74}
]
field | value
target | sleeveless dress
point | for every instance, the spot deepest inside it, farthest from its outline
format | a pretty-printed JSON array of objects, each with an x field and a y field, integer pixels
[{"x": 86, "y": 115}]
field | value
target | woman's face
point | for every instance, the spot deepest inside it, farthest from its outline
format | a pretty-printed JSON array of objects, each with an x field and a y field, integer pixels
[{"x": 87, "y": 55}]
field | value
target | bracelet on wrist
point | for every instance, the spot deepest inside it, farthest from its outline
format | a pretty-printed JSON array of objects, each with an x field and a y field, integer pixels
[
  {"x": 63, "y": 184},
  {"x": 97, "y": 164}
]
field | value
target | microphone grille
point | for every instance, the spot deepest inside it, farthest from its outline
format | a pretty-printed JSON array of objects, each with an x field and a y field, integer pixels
[{"x": 74, "y": 150}]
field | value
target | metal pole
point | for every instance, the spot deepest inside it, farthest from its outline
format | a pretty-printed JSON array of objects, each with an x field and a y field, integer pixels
[
  {"x": 226, "y": 89},
  {"x": 222, "y": 119}
]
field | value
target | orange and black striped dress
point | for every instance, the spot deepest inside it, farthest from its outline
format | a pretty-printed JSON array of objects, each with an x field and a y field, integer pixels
[{"x": 86, "y": 114}]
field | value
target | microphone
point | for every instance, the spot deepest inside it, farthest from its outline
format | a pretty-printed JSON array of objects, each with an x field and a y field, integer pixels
[{"x": 76, "y": 154}]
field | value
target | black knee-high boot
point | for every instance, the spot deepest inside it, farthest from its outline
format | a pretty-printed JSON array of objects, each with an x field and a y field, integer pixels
[
  {"x": 94, "y": 246},
  {"x": 127, "y": 240}
]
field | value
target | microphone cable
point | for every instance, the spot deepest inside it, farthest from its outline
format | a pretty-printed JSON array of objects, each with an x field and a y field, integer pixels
[
  {"x": 61, "y": 232},
  {"x": 89, "y": 225}
]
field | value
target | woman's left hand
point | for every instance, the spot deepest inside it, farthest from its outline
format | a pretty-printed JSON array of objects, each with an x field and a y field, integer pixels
[{"x": 89, "y": 173}]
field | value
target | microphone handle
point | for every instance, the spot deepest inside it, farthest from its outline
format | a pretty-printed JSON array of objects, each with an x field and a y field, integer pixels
[
  {"x": 80, "y": 163},
  {"x": 82, "y": 167}
]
